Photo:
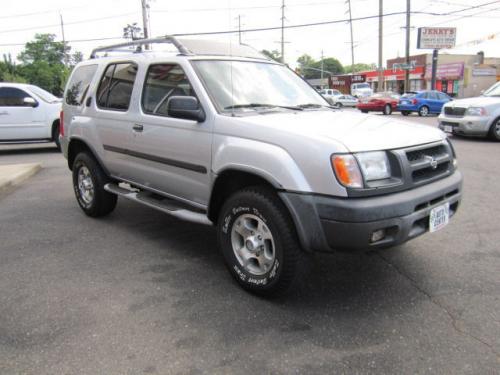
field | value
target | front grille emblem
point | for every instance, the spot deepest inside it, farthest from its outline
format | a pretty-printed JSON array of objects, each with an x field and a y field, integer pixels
[{"x": 432, "y": 161}]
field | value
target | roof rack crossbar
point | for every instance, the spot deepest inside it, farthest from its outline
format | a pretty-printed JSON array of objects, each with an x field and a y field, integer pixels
[{"x": 165, "y": 39}]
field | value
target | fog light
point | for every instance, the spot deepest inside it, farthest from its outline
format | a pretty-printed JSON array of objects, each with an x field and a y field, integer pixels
[{"x": 378, "y": 235}]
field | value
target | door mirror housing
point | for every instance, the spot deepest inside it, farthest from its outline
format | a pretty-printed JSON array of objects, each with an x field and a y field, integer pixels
[
  {"x": 30, "y": 102},
  {"x": 185, "y": 107}
]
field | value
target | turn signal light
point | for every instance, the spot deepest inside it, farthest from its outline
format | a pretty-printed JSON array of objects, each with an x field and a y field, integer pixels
[{"x": 347, "y": 171}]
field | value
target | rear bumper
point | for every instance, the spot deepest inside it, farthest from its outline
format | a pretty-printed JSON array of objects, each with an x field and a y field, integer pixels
[
  {"x": 347, "y": 224},
  {"x": 369, "y": 107},
  {"x": 409, "y": 108}
]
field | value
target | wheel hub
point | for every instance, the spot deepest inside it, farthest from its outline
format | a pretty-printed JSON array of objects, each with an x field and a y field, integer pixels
[
  {"x": 85, "y": 185},
  {"x": 253, "y": 244}
]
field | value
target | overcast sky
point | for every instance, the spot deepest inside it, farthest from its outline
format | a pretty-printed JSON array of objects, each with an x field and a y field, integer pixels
[{"x": 87, "y": 19}]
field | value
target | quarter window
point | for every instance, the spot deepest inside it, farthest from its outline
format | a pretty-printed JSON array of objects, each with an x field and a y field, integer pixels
[
  {"x": 13, "y": 97},
  {"x": 162, "y": 82},
  {"x": 115, "y": 88},
  {"x": 79, "y": 84}
]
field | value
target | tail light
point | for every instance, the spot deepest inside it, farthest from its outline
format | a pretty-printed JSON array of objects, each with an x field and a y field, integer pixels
[
  {"x": 414, "y": 101},
  {"x": 61, "y": 123}
]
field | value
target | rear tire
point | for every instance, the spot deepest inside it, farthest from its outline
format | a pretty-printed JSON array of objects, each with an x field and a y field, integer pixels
[
  {"x": 405, "y": 113},
  {"x": 495, "y": 130},
  {"x": 423, "y": 111},
  {"x": 339, "y": 105},
  {"x": 88, "y": 184},
  {"x": 55, "y": 136},
  {"x": 258, "y": 240},
  {"x": 364, "y": 111},
  {"x": 387, "y": 109}
]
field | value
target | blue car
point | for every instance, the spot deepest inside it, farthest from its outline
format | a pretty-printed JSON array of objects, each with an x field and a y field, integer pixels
[{"x": 423, "y": 102}]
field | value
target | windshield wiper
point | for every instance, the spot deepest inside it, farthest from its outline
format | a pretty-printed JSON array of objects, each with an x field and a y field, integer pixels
[
  {"x": 263, "y": 105},
  {"x": 315, "y": 105}
]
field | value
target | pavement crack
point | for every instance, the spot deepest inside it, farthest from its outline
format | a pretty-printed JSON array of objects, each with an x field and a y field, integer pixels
[{"x": 440, "y": 305}]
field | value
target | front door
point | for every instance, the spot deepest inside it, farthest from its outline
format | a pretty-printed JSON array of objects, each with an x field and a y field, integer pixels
[
  {"x": 20, "y": 120},
  {"x": 169, "y": 154}
]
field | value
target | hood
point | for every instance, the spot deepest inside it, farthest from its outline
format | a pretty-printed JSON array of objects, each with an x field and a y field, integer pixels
[
  {"x": 479, "y": 101},
  {"x": 356, "y": 131}
]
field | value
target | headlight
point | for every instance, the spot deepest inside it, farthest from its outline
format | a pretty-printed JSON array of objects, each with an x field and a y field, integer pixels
[
  {"x": 374, "y": 165},
  {"x": 347, "y": 171},
  {"x": 350, "y": 169},
  {"x": 476, "y": 111}
]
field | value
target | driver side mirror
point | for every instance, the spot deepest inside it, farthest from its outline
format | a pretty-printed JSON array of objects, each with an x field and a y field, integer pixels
[
  {"x": 185, "y": 107},
  {"x": 30, "y": 102}
]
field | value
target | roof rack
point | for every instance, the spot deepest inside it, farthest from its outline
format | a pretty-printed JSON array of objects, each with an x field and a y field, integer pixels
[{"x": 139, "y": 43}]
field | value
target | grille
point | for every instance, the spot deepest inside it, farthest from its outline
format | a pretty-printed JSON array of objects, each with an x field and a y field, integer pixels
[
  {"x": 454, "y": 111},
  {"x": 429, "y": 163},
  {"x": 434, "y": 152}
]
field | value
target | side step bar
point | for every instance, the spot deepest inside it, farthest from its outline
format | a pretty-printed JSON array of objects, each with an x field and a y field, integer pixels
[{"x": 166, "y": 205}]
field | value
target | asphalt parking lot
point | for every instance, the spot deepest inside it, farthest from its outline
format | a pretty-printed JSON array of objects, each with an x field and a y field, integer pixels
[{"x": 140, "y": 292}]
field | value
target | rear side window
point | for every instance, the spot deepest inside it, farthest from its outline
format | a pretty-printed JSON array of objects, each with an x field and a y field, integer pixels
[
  {"x": 115, "y": 88},
  {"x": 162, "y": 82},
  {"x": 13, "y": 97},
  {"x": 79, "y": 84}
]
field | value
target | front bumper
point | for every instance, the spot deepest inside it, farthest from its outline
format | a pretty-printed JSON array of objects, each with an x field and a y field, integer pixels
[
  {"x": 347, "y": 224},
  {"x": 467, "y": 125}
]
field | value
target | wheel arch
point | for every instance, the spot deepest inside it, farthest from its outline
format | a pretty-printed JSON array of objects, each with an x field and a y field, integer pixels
[
  {"x": 77, "y": 145},
  {"x": 231, "y": 180}
]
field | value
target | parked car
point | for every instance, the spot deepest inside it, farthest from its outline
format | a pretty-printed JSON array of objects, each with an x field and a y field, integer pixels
[
  {"x": 478, "y": 116},
  {"x": 258, "y": 153},
  {"x": 344, "y": 101},
  {"x": 361, "y": 90},
  {"x": 28, "y": 114},
  {"x": 328, "y": 94},
  {"x": 423, "y": 102},
  {"x": 385, "y": 102}
]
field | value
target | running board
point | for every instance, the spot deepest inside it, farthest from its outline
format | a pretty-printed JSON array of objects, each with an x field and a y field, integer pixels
[{"x": 166, "y": 205}]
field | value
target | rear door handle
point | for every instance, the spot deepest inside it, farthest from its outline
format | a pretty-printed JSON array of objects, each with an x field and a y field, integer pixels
[{"x": 138, "y": 127}]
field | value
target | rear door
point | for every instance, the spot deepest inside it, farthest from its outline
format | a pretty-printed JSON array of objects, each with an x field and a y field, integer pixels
[
  {"x": 433, "y": 100},
  {"x": 18, "y": 120},
  {"x": 171, "y": 155},
  {"x": 114, "y": 116}
]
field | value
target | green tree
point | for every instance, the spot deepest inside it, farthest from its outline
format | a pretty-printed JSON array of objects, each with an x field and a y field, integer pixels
[
  {"x": 9, "y": 71},
  {"x": 360, "y": 67},
  {"x": 274, "y": 54},
  {"x": 311, "y": 69},
  {"x": 42, "y": 63}
]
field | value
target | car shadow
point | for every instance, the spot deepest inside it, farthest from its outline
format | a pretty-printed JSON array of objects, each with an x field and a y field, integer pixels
[{"x": 20, "y": 150}]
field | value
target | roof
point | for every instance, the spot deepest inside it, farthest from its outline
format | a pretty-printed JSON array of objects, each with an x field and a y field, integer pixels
[{"x": 184, "y": 47}]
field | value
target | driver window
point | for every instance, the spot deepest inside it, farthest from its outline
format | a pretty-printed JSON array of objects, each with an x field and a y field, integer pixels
[
  {"x": 162, "y": 82},
  {"x": 13, "y": 97}
]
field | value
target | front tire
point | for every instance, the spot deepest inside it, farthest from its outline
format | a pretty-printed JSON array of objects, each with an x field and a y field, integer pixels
[
  {"x": 387, "y": 109},
  {"x": 495, "y": 130},
  {"x": 258, "y": 240},
  {"x": 88, "y": 184},
  {"x": 423, "y": 111}
]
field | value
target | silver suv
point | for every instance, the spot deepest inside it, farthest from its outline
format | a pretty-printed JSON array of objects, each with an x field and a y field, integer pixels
[{"x": 219, "y": 135}]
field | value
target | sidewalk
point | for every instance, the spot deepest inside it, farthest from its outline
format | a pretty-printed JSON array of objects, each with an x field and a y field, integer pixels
[{"x": 14, "y": 174}]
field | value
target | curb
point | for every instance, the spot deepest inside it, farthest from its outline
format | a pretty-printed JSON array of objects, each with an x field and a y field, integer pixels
[{"x": 14, "y": 174}]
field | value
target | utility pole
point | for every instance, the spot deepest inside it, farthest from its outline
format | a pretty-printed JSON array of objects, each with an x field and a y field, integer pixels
[
  {"x": 380, "y": 46},
  {"x": 65, "y": 58},
  {"x": 407, "y": 50},
  {"x": 239, "y": 27},
  {"x": 145, "y": 20},
  {"x": 352, "y": 40},
  {"x": 434, "y": 68},
  {"x": 322, "y": 65},
  {"x": 283, "y": 31}
]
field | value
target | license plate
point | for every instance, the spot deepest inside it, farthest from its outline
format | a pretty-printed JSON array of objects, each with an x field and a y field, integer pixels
[
  {"x": 439, "y": 217},
  {"x": 404, "y": 102},
  {"x": 448, "y": 129}
]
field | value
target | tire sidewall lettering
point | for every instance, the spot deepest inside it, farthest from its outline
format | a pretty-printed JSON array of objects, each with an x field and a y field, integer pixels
[{"x": 241, "y": 273}]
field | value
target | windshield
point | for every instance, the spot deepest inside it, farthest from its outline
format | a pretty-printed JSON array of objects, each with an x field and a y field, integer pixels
[
  {"x": 44, "y": 95},
  {"x": 493, "y": 90},
  {"x": 248, "y": 85}
]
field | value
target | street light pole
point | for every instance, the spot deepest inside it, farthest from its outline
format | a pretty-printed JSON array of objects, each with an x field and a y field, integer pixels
[
  {"x": 380, "y": 46},
  {"x": 145, "y": 16},
  {"x": 407, "y": 49},
  {"x": 283, "y": 31}
]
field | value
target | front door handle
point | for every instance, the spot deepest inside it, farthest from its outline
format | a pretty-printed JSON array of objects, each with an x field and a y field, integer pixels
[{"x": 138, "y": 127}]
